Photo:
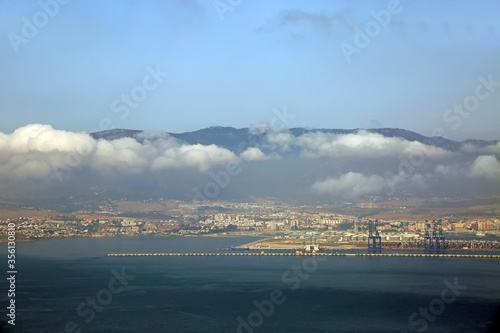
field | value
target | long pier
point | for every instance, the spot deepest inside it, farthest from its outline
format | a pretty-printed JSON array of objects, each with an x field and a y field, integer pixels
[{"x": 266, "y": 254}]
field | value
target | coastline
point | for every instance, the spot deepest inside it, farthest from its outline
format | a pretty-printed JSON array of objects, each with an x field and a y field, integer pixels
[{"x": 263, "y": 243}]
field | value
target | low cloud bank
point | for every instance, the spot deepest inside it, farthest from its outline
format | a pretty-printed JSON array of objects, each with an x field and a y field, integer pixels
[
  {"x": 350, "y": 185},
  {"x": 348, "y": 165},
  {"x": 37, "y": 151}
]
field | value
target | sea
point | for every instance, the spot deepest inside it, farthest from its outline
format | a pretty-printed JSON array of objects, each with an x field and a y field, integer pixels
[{"x": 71, "y": 285}]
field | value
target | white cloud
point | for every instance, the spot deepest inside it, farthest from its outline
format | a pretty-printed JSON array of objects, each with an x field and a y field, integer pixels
[
  {"x": 254, "y": 154},
  {"x": 489, "y": 149},
  {"x": 486, "y": 166},
  {"x": 38, "y": 151},
  {"x": 449, "y": 170},
  {"x": 363, "y": 143},
  {"x": 124, "y": 155},
  {"x": 351, "y": 185},
  {"x": 259, "y": 128},
  {"x": 43, "y": 138},
  {"x": 152, "y": 135},
  {"x": 280, "y": 140}
]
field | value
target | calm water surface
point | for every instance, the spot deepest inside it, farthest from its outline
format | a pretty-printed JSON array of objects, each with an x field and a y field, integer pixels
[{"x": 71, "y": 283}]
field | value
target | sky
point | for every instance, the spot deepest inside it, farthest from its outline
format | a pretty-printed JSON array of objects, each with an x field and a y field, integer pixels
[{"x": 428, "y": 66}]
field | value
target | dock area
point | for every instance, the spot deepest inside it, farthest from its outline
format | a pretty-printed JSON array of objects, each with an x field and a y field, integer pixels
[{"x": 270, "y": 254}]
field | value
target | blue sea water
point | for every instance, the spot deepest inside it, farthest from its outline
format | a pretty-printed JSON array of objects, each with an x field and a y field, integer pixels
[{"x": 57, "y": 279}]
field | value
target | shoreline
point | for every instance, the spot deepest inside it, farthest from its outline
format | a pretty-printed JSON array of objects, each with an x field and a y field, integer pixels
[
  {"x": 263, "y": 243},
  {"x": 5, "y": 240}
]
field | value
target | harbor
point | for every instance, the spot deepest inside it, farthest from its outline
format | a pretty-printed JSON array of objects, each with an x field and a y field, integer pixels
[{"x": 271, "y": 254}]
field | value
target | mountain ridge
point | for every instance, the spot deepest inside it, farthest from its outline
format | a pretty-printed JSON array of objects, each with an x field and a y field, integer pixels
[{"x": 232, "y": 138}]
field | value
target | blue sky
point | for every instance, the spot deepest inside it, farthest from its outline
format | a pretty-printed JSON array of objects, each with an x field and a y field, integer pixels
[{"x": 262, "y": 56}]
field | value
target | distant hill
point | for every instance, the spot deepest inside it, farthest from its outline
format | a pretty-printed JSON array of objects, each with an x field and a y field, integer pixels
[{"x": 233, "y": 138}]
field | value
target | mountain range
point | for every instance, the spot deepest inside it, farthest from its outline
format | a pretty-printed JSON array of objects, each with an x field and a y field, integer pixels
[
  {"x": 263, "y": 161},
  {"x": 231, "y": 138}
]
